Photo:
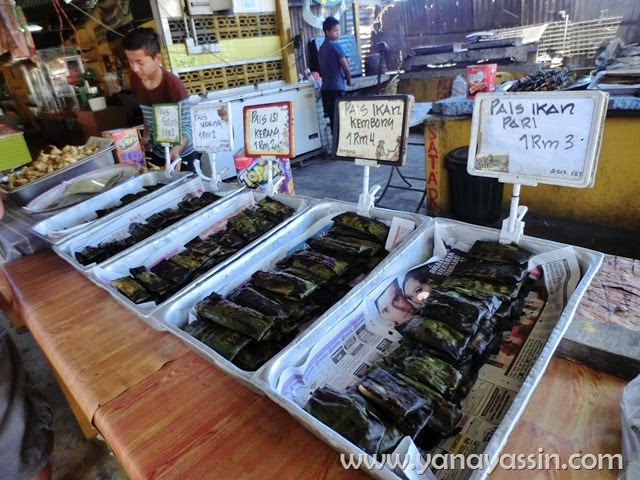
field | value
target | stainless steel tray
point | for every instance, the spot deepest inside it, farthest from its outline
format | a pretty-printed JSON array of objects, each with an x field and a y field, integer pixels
[
  {"x": 202, "y": 224},
  {"x": 78, "y": 218},
  {"x": 25, "y": 193},
  {"x": 175, "y": 314},
  {"x": 118, "y": 227},
  {"x": 299, "y": 352}
]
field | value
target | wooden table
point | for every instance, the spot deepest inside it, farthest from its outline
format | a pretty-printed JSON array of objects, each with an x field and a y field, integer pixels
[{"x": 167, "y": 413}]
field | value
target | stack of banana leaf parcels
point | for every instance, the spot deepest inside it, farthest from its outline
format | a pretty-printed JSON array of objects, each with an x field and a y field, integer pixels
[
  {"x": 171, "y": 274},
  {"x": 253, "y": 322},
  {"x": 138, "y": 231},
  {"x": 416, "y": 390},
  {"x": 129, "y": 198}
]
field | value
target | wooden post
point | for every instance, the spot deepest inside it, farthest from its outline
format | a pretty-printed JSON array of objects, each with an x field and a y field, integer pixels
[
  {"x": 286, "y": 36},
  {"x": 356, "y": 26}
]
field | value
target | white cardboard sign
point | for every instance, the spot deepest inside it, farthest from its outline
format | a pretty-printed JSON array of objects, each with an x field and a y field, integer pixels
[
  {"x": 268, "y": 130},
  {"x": 537, "y": 137},
  {"x": 372, "y": 128},
  {"x": 211, "y": 127}
]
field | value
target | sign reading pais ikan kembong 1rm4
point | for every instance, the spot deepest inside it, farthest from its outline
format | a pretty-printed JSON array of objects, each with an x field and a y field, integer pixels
[{"x": 372, "y": 128}]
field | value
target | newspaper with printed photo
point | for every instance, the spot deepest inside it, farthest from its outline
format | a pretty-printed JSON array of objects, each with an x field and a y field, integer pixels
[{"x": 342, "y": 357}]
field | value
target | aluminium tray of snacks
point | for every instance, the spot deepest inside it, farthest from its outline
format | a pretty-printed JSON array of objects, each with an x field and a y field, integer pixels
[
  {"x": 297, "y": 353},
  {"x": 174, "y": 314},
  {"x": 27, "y": 192},
  {"x": 118, "y": 227},
  {"x": 202, "y": 224},
  {"x": 77, "y": 218}
]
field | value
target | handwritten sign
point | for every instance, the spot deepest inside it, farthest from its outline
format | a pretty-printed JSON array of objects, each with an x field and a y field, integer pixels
[
  {"x": 268, "y": 130},
  {"x": 211, "y": 127},
  {"x": 537, "y": 137},
  {"x": 168, "y": 128},
  {"x": 373, "y": 128}
]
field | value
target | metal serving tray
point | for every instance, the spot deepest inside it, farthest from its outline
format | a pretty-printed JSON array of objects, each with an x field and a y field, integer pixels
[
  {"x": 78, "y": 218},
  {"x": 119, "y": 226},
  {"x": 27, "y": 192},
  {"x": 174, "y": 315},
  {"x": 202, "y": 224},
  {"x": 421, "y": 250}
]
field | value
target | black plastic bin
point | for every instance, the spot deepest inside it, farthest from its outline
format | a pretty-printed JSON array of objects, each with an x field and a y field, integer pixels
[{"x": 475, "y": 199}]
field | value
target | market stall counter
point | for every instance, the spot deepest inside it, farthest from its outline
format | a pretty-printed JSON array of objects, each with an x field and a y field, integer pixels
[{"x": 167, "y": 413}]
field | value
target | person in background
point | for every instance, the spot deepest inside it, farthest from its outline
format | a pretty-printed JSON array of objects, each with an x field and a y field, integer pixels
[
  {"x": 151, "y": 84},
  {"x": 26, "y": 438},
  {"x": 334, "y": 68}
]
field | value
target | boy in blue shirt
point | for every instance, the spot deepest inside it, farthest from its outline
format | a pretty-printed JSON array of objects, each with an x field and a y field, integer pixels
[{"x": 334, "y": 67}]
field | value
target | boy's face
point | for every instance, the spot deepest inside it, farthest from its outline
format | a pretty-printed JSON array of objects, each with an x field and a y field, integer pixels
[
  {"x": 142, "y": 64},
  {"x": 334, "y": 33}
]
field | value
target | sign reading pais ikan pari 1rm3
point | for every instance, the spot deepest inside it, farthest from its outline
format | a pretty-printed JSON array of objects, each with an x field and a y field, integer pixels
[{"x": 537, "y": 137}]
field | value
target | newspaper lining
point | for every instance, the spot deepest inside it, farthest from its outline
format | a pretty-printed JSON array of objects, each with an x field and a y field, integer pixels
[{"x": 342, "y": 356}]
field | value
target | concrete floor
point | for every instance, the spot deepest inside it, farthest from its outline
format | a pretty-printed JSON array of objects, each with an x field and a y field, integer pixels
[{"x": 76, "y": 458}]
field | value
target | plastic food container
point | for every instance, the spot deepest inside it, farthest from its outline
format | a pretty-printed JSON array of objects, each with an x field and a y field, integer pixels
[
  {"x": 174, "y": 315},
  {"x": 300, "y": 369}
]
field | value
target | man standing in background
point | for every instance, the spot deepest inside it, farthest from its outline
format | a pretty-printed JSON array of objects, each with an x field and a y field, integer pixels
[{"x": 334, "y": 68}]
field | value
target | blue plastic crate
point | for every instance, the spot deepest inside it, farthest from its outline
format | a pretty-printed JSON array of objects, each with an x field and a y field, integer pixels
[{"x": 348, "y": 43}]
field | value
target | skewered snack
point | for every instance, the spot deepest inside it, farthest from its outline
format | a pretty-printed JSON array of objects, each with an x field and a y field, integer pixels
[
  {"x": 47, "y": 163},
  {"x": 544, "y": 80}
]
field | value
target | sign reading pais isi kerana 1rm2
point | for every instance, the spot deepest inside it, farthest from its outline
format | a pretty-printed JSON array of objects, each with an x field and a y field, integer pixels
[{"x": 537, "y": 137}]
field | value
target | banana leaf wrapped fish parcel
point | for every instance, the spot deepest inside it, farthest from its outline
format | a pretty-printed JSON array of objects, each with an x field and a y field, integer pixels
[
  {"x": 141, "y": 230},
  {"x": 201, "y": 255},
  {"x": 301, "y": 286},
  {"x": 437, "y": 360},
  {"x": 129, "y": 198}
]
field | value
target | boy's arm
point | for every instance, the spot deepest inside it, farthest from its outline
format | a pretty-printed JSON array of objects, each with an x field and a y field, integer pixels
[
  {"x": 344, "y": 63},
  {"x": 185, "y": 109}
]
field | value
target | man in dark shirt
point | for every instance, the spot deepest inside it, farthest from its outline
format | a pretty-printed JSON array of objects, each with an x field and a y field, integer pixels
[{"x": 334, "y": 68}]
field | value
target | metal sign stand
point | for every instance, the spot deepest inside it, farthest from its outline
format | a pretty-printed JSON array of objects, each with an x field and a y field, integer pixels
[
  {"x": 367, "y": 197},
  {"x": 169, "y": 167},
  {"x": 513, "y": 226},
  {"x": 215, "y": 178}
]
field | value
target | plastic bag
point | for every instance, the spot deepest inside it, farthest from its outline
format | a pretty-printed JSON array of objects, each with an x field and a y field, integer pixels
[
  {"x": 459, "y": 86},
  {"x": 630, "y": 422}
]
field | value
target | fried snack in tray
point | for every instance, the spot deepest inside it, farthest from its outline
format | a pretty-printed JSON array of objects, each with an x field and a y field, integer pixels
[{"x": 47, "y": 163}]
